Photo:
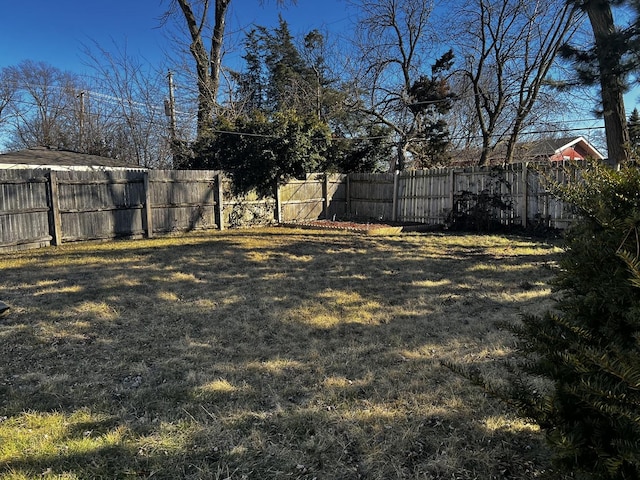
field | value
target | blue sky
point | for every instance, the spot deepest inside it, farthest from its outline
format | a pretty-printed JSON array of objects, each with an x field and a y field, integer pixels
[{"x": 54, "y": 31}]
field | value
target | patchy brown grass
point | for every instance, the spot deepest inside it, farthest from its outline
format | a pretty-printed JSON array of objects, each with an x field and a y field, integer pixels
[{"x": 265, "y": 354}]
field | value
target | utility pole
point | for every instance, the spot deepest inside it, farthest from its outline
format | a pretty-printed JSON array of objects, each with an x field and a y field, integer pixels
[
  {"x": 170, "y": 108},
  {"x": 81, "y": 120},
  {"x": 170, "y": 112}
]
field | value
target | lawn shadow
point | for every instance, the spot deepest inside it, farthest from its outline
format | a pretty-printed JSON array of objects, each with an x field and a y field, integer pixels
[{"x": 230, "y": 346}]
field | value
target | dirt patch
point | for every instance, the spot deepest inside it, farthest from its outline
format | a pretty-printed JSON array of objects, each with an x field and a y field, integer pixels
[{"x": 360, "y": 227}]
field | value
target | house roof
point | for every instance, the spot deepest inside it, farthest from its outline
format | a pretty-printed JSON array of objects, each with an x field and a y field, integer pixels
[
  {"x": 50, "y": 158},
  {"x": 559, "y": 149},
  {"x": 547, "y": 149}
]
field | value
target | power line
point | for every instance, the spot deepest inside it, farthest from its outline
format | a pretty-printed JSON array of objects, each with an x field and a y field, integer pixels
[
  {"x": 157, "y": 110},
  {"x": 119, "y": 116}
]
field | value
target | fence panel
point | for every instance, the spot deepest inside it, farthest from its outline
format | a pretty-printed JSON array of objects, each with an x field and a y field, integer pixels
[
  {"x": 336, "y": 196},
  {"x": 492, "y": 183},
  {"x": 183, "y": 200},
  {"x": 100, "y": 204},
  {"x": 318, "y": 196},
  {"x": 371, "y": 195},
  {"x": 424, "y": 196},
  {"x": 24, "y": 209},
  {"x": 302, "y": 200},
  {"x": 545, "y": 208}
]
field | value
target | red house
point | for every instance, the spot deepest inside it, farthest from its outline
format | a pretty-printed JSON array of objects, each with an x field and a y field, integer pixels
[
  {"x": 558, "y": 149},
  {"x": 542, "y": 150}
]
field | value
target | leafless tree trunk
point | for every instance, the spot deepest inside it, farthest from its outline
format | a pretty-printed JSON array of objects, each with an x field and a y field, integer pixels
[
  {"x": 394, "y": 45},
  {"x": 208, "y": 60},
  {"x": 510, "y": 49},
  {"x": 611, "y": 82}
]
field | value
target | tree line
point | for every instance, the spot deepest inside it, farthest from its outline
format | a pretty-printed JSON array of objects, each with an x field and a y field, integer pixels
[{"x": 411, "y": 85}]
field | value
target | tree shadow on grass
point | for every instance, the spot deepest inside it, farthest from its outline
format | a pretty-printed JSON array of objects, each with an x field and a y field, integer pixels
[
  {"x": 306, "y": 442},
  {"x": 217, "y": 355}
]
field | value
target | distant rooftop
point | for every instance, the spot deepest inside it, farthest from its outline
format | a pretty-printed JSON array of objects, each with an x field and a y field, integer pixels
[
  {"x": 547, "y": 149},
  {"x": 51, "y": 158}
]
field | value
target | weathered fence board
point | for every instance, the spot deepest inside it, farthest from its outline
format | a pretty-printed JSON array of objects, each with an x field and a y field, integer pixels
[
  {"x": 40, "y": 207},
  {"x": 424, "y": 196},
  {"x": 371, "y": 195},
  {"x": 183, "y": 200},
  {"x": 100, "y": 205},
  {"x": 318, "y": 196},
  {"x": 24, "y": 209},
  {"x": 491, "y": 183},
  {"x": 302, "y": 200},
  {"x": 544, "y": 208},
  {"x": 336, "y": 196}
]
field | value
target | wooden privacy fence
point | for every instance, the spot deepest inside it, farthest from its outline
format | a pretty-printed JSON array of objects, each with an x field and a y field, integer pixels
[
  {"x": 435, "y": 196},
  {"x": 43, "y": 207}
]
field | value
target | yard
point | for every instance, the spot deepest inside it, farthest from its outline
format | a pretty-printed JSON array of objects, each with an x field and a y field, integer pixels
[{"x": 266, "y": 354}]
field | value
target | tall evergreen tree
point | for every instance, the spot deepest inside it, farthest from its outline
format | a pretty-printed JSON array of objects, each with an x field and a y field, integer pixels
[
  {"x": 289, "y": 78},
  {"x": 251, "y": 82},
  {"x": 607, "y": 64},
  {"x": 281, "y": 77},
  {"x": 431, "y": 99},
  {"x": 634, "y": 133}
]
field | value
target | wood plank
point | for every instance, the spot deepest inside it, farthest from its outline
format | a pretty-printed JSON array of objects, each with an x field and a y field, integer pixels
[{"x": 56, "y": 218}]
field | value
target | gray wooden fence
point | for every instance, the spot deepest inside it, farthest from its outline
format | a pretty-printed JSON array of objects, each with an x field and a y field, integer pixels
[
  {"x": 43, "y": 207},
  {"x": 25, "y": 208}
]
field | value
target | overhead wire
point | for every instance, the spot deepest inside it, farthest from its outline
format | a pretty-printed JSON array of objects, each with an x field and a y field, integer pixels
[
  {"x": 187, "y": 116},
  {"x": 114, "y": 115}
]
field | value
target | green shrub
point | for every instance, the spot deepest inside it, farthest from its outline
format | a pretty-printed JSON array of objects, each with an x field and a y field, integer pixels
[{"x": 577, "y": 368}]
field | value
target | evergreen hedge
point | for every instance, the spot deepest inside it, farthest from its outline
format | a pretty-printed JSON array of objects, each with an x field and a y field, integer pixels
[{"x": 577, "y": 368}]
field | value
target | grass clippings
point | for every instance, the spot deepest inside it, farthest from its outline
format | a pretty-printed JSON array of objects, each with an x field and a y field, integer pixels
[{"x": 266, "y": 354}]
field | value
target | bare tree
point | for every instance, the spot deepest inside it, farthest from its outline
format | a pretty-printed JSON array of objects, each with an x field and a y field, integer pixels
[
  {"x": 509, "y": 48},
  {"x": 394, "y": 47},
  {"x": 7, "y": 92},
  {"x": 206, "y": 49},
  {"x": 123, "y": 113},
  {"x": 40, "y": 100}
]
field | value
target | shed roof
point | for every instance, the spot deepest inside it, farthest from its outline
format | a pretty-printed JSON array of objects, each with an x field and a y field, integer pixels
[{"x": 54, "y": 159}]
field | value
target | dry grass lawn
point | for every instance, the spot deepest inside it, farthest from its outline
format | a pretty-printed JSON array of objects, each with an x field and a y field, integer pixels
[{"x": 266, "y": 354}]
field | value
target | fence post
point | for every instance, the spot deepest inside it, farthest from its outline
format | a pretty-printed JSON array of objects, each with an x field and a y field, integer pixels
[
  {"x": 525, "y": 194},
  {"x": 452, "y": 186},
  {"x": 220, "y": 202},
  {"x": 148, "y": 215},
  {"x": 394, "y": 212},
  {"x": 325, "y": 196},
  {"x": 347, "y": 194},
  {"x": 278, "y": 204},
  {"x": 56, "y": 219}
]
